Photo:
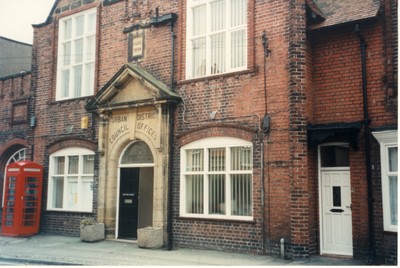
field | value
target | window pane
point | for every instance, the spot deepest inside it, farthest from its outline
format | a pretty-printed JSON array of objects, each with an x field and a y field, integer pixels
[
  {"x": 238, "y": 39},
  {"x": 216, "y": 159},
  {"x": 217, "y": 16},
  {"x": 88, "y": 164},
  {"x": 218, "y": 53},
  {"x": 78, "y": 50},
  {"x": 87, "y": 193},
  {"x": 66, "y": 55},
  {"x": 194, "y": 194},
  {"x": 58, "y": 192},
  {"x": 216, "y": 192},
  {"x": 88, "y": 89},
  {"x": 194, "y": 160},
  {"x": 73, "y": 164},
  {"x": 199, "y": 20},
  {"x": 199, "y": 57},
  {"x": 79, "y": 26},
  {"x": 67, "y": 29},
  {"x": 241, "y": 158},
  {"x": 334, "y": 156},
  {"x": 238, "y": 12},
  {"x": 241, "y": 194},
  {"x": 393, "y": 159},
  {"x": 78, "y": 81},
  {"x": 393, "y": 199},
  {"x": 137, "y": 153},
  {"x": 65, "y": 83},
  {"x": 91, "y": 23},
  {"x": 59, "y": 164},
  {"x": 90, "y": 48},
  {"x": 72, "y": 192},
  {"x": 337, "y": 196}
]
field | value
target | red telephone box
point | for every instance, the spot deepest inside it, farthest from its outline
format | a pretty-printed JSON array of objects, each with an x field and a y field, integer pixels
[{"x": 22, "y": 199}]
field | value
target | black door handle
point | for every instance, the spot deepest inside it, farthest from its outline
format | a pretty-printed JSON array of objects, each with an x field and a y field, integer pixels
[{"x": 337, "y": 210}]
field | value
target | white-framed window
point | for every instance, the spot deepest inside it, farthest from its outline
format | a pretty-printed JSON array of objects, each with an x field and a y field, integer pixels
[
  {"x": 389, "y": 175},
  {"x": 216, "y": 37},
  {"x": 71, "y": 180},
  {"x": 217, "y": 179},
  {"x": 76, "y": 55}
]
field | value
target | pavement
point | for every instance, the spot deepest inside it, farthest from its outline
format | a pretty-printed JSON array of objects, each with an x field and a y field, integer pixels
[{"x": 45, "y": 249}]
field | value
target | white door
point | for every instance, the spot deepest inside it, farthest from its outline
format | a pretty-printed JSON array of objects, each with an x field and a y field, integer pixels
[{"x": 337, "y": 236}]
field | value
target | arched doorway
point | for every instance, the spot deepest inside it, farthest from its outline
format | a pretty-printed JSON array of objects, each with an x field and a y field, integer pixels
[{"x": 135, "y": 190}]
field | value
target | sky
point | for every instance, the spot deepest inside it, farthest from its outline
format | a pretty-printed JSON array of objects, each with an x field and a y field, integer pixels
[{"x": 17, "y": 17}]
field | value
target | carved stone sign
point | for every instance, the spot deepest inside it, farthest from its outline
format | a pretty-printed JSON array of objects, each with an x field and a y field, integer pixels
[
  {"x": 145, "y": 121},
  {"x": 136, "y": 45},
  {"x": 118, "y": 126},
  {"x": 147, "y": 124}
]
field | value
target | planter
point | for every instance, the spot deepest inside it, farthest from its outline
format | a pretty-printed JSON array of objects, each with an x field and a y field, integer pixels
[
  {"x": 92, "y": 232},
  {"x": 150, "y": 237}
]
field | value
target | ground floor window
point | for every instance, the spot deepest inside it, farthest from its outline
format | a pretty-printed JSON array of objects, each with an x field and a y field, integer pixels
[
  {"x": 71, "y": 180},
  {"x": 217, "y": 178},
  {"x": 389, "y": 172}
]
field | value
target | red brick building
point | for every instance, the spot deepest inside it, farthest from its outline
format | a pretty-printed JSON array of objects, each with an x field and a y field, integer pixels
[
  {"x": 16, "y": 108},
  {"x": 266, "y": 127}
]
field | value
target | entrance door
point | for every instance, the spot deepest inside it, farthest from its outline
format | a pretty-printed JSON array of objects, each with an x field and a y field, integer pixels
[
  {"x": 336, "y": 213},
  {"x": 335, "y": 198},
  {"x": 128, "y": 203}
]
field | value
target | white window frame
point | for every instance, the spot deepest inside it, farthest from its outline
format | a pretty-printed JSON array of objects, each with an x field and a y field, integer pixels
[
  {"x": 210, "y": 143},
  {"x": 386, "y": 139},
  {"x": 68, "y": 64},
  {"x": 72, "y": 151},
  {"x": 228, "y": 29}
]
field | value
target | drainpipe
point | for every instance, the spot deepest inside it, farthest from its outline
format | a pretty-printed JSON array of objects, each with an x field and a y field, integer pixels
[
  {"x": 363, "y": 47},
  {"x": 171, "y": 141}
]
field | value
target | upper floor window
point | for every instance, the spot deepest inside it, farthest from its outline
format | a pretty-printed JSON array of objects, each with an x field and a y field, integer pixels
[
  {"x": 216, "y": 37},
  {"x": 389, "y": 177},
  {"x": 217, "y": 179},
  {"x": 76, "y": 55},
  {"x": 71, "y": 180}
]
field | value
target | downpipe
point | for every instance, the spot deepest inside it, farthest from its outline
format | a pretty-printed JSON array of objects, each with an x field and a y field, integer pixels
[
  {"x": 363, "y": 48},
  {"x": 171, "y": 141}
]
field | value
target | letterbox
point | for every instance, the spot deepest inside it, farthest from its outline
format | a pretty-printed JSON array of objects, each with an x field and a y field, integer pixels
[{"x": 22, "y": 199}]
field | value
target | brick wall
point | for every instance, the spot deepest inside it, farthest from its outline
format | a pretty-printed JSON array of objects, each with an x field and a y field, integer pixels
[
  {"x": 59, "y": 121},
  {"x": 15, "y": 112},
  {"x": 309, "y": 77},
  {"x": 241, "y": 101},
  {"x": 337, "y": 97}
]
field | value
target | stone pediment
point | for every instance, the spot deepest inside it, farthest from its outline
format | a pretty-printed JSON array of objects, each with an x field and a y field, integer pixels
[{"x": 131, "y": 87}]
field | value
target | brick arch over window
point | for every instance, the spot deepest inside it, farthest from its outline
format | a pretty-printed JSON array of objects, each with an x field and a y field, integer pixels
[
  {"x": 216, "y": 131},
  {"x": 58, "y": 145}
]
